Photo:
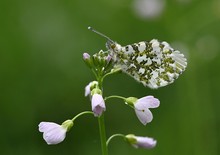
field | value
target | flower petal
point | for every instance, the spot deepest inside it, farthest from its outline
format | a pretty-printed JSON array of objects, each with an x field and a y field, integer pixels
[
  {"x": 145, "y": 142},
  {"x": 47, "y": 126},
  {"x": 87, "y": 89},
  {"x": 55, "y": 136},
  {"x": 144, "y": 115},
  {"x": 90, "y": 87},
  {"x": 149, "y": 102},
  {"x": 52, "y": 133},
  {"x": 98, "y": 104}
]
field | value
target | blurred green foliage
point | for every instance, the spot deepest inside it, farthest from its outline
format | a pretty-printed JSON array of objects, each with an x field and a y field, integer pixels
[{"x": 42, "y": 75}]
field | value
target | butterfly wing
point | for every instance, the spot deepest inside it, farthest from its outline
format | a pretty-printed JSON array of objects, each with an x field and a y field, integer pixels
[{"x": 155, "y": 64}]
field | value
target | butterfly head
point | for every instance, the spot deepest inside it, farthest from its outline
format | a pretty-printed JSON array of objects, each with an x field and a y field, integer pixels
[{"x": 111, "y": 45}]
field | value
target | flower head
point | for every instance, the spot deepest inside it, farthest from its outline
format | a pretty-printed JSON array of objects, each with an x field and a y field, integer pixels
[
  {"x": 54, "y": 133},
  {"x": 98, "y": 104},
  {"x": 102, "y": 60},
  {"x": 142, "y": 106},
  {"x": 141, "y": 142}
]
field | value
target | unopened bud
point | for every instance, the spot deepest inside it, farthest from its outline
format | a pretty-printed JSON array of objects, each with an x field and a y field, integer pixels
[
  {"x": 86, "y": 56},
  {"x": 87, "y": 59}
]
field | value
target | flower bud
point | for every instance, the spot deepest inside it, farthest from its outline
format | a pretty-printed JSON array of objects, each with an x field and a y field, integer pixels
[
  {"x": 87, "y": 60},
  {"x": 141, "y": 142},
  {"x": 102, "y": 60},
  {"x": 86, "y": 56},
  {"x": 108, "y": 58}
]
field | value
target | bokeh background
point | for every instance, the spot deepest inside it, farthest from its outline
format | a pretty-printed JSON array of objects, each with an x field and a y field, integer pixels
[{"x": 42, "y": 75}]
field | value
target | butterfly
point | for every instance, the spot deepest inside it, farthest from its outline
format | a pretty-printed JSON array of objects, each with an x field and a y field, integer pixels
[{"x": 153, "y": 63}]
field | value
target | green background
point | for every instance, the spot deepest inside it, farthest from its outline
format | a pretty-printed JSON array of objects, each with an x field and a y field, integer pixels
[{"x": 42, "y": 76}]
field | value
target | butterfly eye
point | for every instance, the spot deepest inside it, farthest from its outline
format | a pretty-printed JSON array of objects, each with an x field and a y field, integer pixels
[
  {"x": 113, "y": 46},
  {"x": 109, "y": 45}
]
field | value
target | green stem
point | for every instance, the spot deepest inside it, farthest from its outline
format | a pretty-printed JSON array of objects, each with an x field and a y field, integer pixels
[
  {"x": 120, "y": 97},
  {"x": 80, "y": 114},
  {"x": 107, "y": 74},
  {"x": 115, "y": 96},
  {"x": 113, "y": 136},
  {"x": 94, "y": 72},
  {"x": 101, "y": 121},
  {"x": 102, "y": 134}
]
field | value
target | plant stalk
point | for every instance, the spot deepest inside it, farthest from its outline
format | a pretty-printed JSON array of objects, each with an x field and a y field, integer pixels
[{"x": 102, "y": 134}]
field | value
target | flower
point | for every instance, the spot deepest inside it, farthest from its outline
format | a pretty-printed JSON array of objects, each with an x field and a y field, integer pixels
[
  {"x": 54, "y": 133},
  {"x": 97, "y": 101},
  {"x": 142, "y": 106},
  {"x": 98, "y": 104},
  {"x": 141, "y": 142},
  {"x": 90, "y": 87}
]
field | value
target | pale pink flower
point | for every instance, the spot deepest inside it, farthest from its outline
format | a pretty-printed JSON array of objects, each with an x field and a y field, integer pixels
[
  {"x": 145, "y": 142},
  {"x": 98, "y": 104},
  {"x": 90, "y": 86},
  {"x": 141, "y": 142},
  {"x": 52, "y": 133},
  {"x": 142, "y": 106}
]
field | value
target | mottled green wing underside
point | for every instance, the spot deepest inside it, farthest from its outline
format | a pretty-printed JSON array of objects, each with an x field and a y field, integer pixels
[{"x": 155, "y": 64}]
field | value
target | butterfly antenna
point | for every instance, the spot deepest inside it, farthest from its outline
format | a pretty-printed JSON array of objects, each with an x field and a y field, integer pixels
[{"x": 99, "y": 33}]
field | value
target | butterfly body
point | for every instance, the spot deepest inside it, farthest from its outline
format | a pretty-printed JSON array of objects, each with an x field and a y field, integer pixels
[{"x": 155, "y": 64}]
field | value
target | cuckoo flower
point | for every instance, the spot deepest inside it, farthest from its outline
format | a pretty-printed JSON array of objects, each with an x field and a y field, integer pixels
[
  {"x": 90, "y": 87},
  {"x": 54, "y": 133},
  {"x": 97, "y": 101},
  {"x": 98, "y": 104},
  {"x": 142, "y": 106},
  {"x": 141, "y": 142}
]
